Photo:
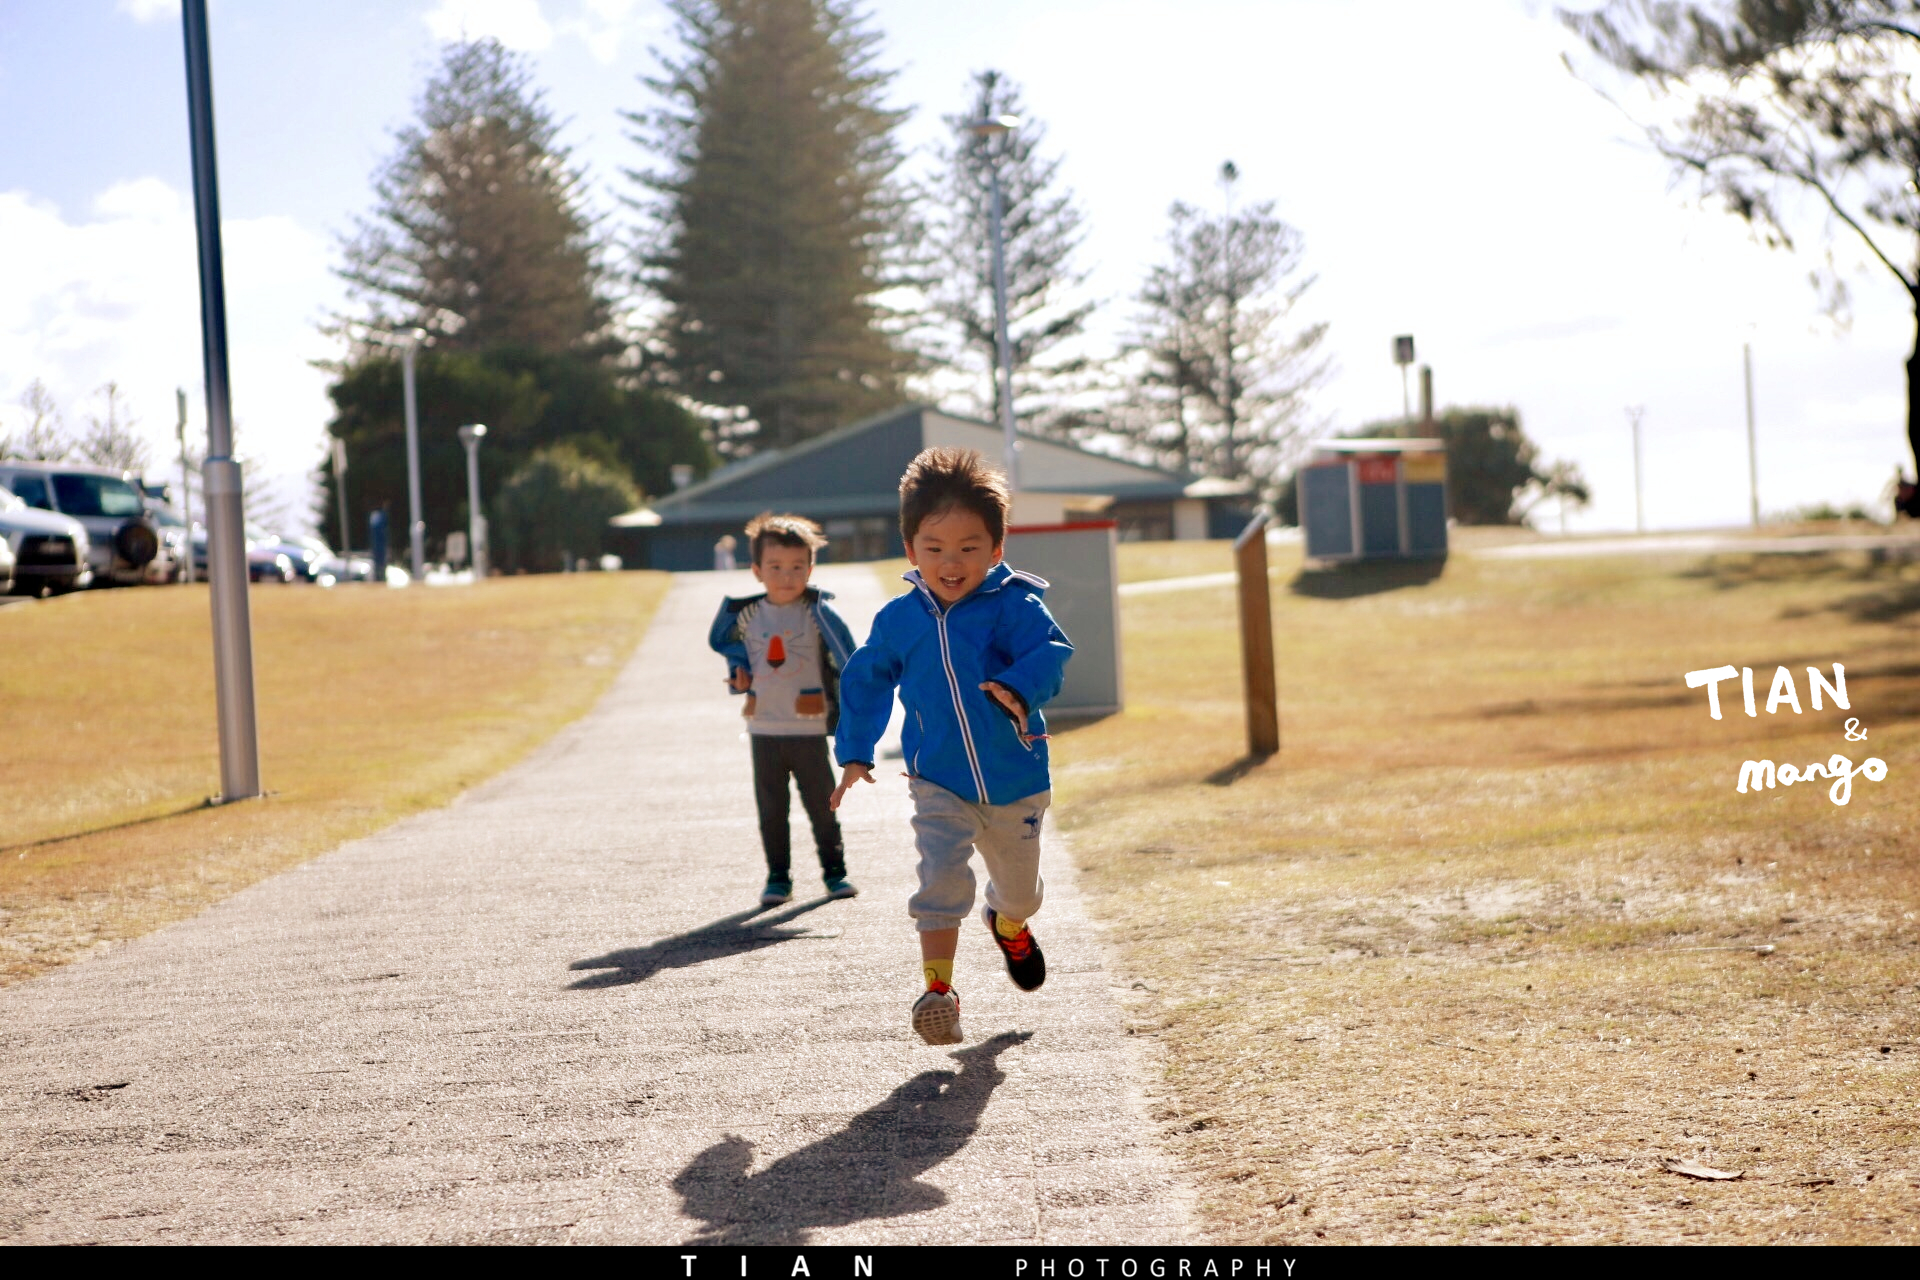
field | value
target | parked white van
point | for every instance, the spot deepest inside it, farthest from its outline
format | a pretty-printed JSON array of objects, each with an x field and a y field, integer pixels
[{"x": 125, "y": 548}]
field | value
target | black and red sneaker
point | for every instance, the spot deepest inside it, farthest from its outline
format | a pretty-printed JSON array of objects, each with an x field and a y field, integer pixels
[{"x": 1025, "y": 965}]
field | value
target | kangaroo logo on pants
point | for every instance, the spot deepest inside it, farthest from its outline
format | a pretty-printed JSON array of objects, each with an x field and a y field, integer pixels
[
  {"x": 776, "y": 653},
  {"x": 1033, "y": 825}
]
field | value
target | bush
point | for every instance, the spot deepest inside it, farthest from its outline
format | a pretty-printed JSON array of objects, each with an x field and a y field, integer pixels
[{"x": 556, "y": 507}]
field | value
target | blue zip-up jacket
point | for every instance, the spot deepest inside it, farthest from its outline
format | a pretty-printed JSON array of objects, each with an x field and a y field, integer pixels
[
  {"x": 729, "y": 630},
  {"x": 956, "y": 735}
]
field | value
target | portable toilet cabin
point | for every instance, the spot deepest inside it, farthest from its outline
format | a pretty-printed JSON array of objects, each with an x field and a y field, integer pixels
[{"x": 1375, "y": 499}]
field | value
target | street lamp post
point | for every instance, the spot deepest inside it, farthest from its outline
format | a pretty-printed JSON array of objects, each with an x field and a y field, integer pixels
[
  {"x": 416, "y": 525},
  {"x": 340, "y": 492},
  {"x": 999, "y": 126},
  {"x": 221, "y": 493},
  {"x": 186, "y": 487},
  {"x": 1753, "y": 449},
  {"x": 470, "y": 436}
]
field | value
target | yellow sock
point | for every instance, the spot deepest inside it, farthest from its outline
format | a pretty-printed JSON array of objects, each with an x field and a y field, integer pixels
[
  {"x": 1007, "y": 928},
  {"x": 938, "y": 971}
]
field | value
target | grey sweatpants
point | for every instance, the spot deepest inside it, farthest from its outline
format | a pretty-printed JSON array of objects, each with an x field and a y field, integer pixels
[{"x": 946, "y": 831}]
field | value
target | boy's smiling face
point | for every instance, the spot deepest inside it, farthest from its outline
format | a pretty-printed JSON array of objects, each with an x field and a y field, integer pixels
[
  {"x": 953, "y": 552},
  {"x": 784, "y": 571}
]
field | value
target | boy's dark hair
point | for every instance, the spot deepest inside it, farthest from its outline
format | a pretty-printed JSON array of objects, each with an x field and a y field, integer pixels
[
  {"x": 783, "y": 531},
  {"x": 948, "y": 479}
]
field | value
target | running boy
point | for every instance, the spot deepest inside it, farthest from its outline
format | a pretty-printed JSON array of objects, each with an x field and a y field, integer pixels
[
  {"x": 785, "y": 649},
  {"x": 975, "y": 655}
]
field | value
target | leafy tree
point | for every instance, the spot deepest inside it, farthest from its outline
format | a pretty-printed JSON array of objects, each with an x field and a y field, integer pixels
[
  {"x": 1779, "y": 95},
  {"x": 530, "y": 400},
  {"x": 557, "y": 505},
  {"x": 45, "y": 437},
  {"x": 479, "y": 235},
  {"x": 776, "y": 215},
  {"x": 110, "y": 439},
  {"x": 1493, "y": 472},
  {"x": 1041, "y": 227},
  {"x": 1223, "y": 388}
]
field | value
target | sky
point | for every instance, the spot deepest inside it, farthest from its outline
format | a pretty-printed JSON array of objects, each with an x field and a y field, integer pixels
[{"x": 1451, "y": 178}]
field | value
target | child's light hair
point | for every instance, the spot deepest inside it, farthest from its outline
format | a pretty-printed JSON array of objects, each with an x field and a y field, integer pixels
[
  {"x": 784, "y": 531},
  {"x": 948, "y": 479}
]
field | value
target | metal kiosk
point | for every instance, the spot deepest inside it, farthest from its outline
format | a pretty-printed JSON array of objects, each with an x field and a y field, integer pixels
[{"x": 1375, "y": 500}]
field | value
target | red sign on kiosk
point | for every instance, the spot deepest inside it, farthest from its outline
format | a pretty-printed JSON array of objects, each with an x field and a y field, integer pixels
[{"x": 1377, "y": 470}]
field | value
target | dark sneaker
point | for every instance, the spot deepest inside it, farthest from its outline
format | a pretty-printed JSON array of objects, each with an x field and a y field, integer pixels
[
  {"x": 1025, "y": 965},
  {"x": 841, "y": 887},
  {"x": 776, "y": 892},
  {"x": 936, "y": 1015}
]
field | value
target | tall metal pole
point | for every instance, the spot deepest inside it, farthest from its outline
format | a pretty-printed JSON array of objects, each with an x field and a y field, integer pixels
[
  {"x": 416, "y": 527},
  {"x": 226, "y": 546},
  {"x": 1639, "y": 509},
  {"x": 476, "y": 522},
  {"x": 340, "y": 493},
  {"x": 186, "y": 484},
  {"x": 1753, "y": 451},
  {"x": 1003, "y": 349}
]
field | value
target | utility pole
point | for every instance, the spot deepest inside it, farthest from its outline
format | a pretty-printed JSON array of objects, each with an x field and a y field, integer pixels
[
  {"x": 340, "y": 493},
  {"x": 1634, "y": 414},
  {"x": 416, "y": 524},
  {"x": 226, "y": 545},
  {"x": 1753, "y": 450},
  {"x": 186, "y": 483},
  {"x": 985, "y": 130},
  {"x": 470, "y": 436}
]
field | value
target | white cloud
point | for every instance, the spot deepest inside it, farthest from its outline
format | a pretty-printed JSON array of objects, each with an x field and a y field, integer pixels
[
  {"x": 116, "y": 296},
  {"x": 517, "y": 24},
  {"x": 604, "y": 25},
  {"x": 149, "y": 10}
]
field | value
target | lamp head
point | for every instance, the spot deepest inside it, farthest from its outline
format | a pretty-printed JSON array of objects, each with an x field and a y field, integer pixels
[
  {"x": 992, "y": 126},
  {"x": 472, "y": 433}
]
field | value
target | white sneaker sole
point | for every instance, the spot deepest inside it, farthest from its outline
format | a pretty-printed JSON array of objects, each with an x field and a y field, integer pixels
[{"x": 938, "y": 1022}]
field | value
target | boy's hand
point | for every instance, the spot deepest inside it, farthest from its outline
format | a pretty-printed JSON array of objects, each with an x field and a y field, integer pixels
[
  {"x": 740, "y": 680},
  {"x": 848, "y": 773},
  {"x": 1014, "y": 705}
]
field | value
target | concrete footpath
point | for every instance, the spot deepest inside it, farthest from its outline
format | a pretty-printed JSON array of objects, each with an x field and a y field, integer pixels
[{"x": 552, "y": 1012}]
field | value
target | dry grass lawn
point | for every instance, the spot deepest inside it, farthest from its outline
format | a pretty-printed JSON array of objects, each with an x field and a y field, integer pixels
[
  {"x": 374, "y": 704},
  {"x": 1472, "y": 958}
]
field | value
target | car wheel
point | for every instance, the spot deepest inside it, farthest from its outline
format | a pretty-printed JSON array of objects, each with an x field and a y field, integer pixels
[{"x": 137, "y": 543}]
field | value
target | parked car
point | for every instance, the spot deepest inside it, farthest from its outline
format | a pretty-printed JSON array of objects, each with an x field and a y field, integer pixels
[
  {"x": 268, "y": 559},
  {"x": 48, "y": 551},
  {"x": 176, "y": 538},
  {"x": 6, "y": 567},
  {"x": 124, "y": 545}
]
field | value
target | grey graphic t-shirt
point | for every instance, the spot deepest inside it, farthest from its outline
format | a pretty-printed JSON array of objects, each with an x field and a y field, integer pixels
[{"x": 789, "y": 697}]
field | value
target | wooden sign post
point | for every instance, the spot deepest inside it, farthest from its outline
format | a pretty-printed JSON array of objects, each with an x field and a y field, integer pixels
[{"x": 1256, "y": 639}]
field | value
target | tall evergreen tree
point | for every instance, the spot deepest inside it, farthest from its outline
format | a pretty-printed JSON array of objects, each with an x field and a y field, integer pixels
[
  {"x": 480, "y": 235},
  {"x": 1041, "y": 228},
  {"x": 1223, "y": 388},
  {"x": 776, "y": 213}
]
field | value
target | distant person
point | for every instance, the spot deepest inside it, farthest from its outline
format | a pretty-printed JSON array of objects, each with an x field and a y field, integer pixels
[
  {"x": 785, "y": 649},
  {"x": 974, "y": 655},
  {"x": 723, "y": 552}
]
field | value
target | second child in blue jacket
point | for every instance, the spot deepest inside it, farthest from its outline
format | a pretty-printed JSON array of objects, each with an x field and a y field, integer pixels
[
  {"x": 974, "y": 655},
  {"x": 785, "y": 649}
]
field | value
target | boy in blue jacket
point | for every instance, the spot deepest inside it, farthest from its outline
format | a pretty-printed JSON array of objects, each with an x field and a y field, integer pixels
[
  {"x": 784, "y": 650},
  {"x": 975, "y": 655}
]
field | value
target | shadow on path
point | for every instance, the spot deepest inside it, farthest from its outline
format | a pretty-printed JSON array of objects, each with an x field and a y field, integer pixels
[
  {"x": 866, "y": 1170},
  {"x": 733, "y": 935}
]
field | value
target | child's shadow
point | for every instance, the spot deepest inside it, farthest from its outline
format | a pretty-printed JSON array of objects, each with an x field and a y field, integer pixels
[
  {"x": 869, "y": 1169},
  {"x": 733, "y": 935}
]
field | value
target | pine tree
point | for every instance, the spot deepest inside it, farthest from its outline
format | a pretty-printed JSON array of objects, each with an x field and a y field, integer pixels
[
  {"x": 111, "y": 439},
  {"x": 1223, "y": 386},
  {"x": 1041, "y": 228},
  {"x": 480, "y": 235},
  {"x": 44, "y": 439},
  {"x": 776, "y": 217}
]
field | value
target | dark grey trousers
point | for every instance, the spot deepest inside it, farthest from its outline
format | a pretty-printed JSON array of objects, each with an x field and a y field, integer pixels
[{"x": 804, "y": 759}]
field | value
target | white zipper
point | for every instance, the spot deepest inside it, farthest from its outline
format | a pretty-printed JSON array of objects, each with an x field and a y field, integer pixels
[{"x": 959, "y": 711}]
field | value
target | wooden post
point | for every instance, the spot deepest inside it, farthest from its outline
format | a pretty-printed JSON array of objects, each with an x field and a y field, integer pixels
[{"x": 1256, "y": 639}]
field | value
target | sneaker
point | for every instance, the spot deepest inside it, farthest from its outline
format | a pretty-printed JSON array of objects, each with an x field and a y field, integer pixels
[
  {"x": 936, "y": 1015},
  {"x": 776, "y": 892},
  {"x": 841, "y": 887},
  {"x": 1025, "y": 965}
]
